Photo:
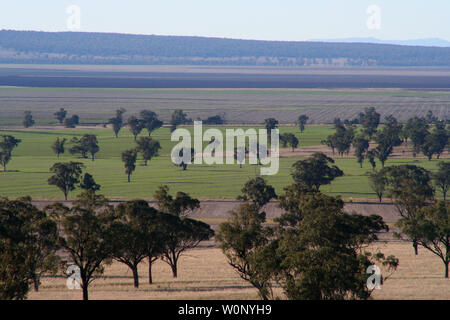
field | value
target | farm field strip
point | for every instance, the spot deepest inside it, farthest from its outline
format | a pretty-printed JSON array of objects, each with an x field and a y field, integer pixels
[
  {"x": 96, "y": 105},
  {"x": 28, "y": 170}
]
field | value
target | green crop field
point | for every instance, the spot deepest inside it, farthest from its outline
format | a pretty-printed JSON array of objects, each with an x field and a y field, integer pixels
[
  {"x": 28, "y": 171},
  {"x": 37, "y": 142}
]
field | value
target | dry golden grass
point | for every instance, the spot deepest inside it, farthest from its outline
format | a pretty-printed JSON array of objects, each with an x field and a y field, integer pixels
[
  {"x": 417, "y": 277},
  {"x": 202, "y": 274},
  {"x": 205, "y": 274}
]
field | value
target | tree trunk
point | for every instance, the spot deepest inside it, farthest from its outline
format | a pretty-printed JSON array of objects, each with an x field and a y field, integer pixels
[
  {"x": 36, "y": 283},
  {"x": 135, "y": 276},
  {"x": 85, "y": 293},
  {"x": 84, "y": 285},
  {"x": 416, "y": 247},
  {"x": 174, "y": 269},
  {"x": 261, "y": 291},
  {"x": 150, "y": 278},
  {"x": 446, "y": 269},
  {"x": 129, "y": 177}
]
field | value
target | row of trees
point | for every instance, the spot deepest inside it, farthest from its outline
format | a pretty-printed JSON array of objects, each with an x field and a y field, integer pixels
[
  {"x": 147, "y": 146},
  {"x": 69, "y": 122},
  {"x": 424, "y": 220},
  {"x": 90, "y": 48},
  {"x": 60, "y": 115},
  {"x": 286, "y": 138},
  {"x": 318, "y": 251},
  {"x": 439, "y": 180},
  {"x": 87, "y": 144},
  {"x": 147, "y": 120},
  {"x": 392, "y": 134},
  {"x": 315, "y": 250},
  {"x": 93, "y": 233}
]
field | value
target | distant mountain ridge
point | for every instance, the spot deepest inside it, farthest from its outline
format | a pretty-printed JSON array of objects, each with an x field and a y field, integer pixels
[
  {"x": 425, "y": 42},
  {"x": 112, "y": 48}
]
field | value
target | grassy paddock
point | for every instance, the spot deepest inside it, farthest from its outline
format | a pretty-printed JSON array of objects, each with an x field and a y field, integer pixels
[
  {"x": 205, "y": 274},
  {"x": 28, "y": 170}
]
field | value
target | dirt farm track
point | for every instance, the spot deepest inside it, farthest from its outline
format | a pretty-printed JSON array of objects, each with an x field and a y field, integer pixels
[
  {"x": 218, "y": 209},
  {"x": 214, "y": 212}
]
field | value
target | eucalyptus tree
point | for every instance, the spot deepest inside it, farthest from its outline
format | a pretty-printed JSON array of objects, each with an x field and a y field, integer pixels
[
  {"x": 84, "y": 236},
  {"x": 315, "y": 171},
  {"x": 150, "y": 121},
  {"x": 129, "y": 161},
  {"x": 410, "y": 189},
  {"x": 431, "y": 230},
  {"x": 28, "y": 120},
  {"x": 58, "y": 146},
  {"x": 117, "y": 121},
  {"x": 148, "y": 147},
  {"x": 7, "y": 145},
  {"x": 60, "y": 115},
  {"x": 66, "y": 176},
  {"x": 135, "y": 126},
  {"x": 302, "y": 120}
]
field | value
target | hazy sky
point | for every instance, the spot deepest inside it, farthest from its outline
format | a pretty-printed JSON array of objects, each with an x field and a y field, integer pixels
[{"x": 244, "y": 19}]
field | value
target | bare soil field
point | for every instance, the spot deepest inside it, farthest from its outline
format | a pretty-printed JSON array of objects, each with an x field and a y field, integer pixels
[
  {"x": 400, "y": 71},
  {"x": 205, "y": 274},
  {"x": 222, "y": 77},
  {"x": 241, "y": 95},
  {"x": 219, "y": 209},
  {"x": 214, "y": 212}
]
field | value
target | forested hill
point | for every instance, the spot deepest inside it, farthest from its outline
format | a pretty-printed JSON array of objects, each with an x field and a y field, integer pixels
[{"x": 108, "y": 48}]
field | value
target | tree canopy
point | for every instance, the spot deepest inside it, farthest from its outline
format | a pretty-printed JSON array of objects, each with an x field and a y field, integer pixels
[
  {"x": 315, "y": 171},
  {"x": 129, "y": 161},
  {"x": 28, "y": 245},
  {"x": 66, "y": 176},
  {"x": 7, "y": 145}
]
